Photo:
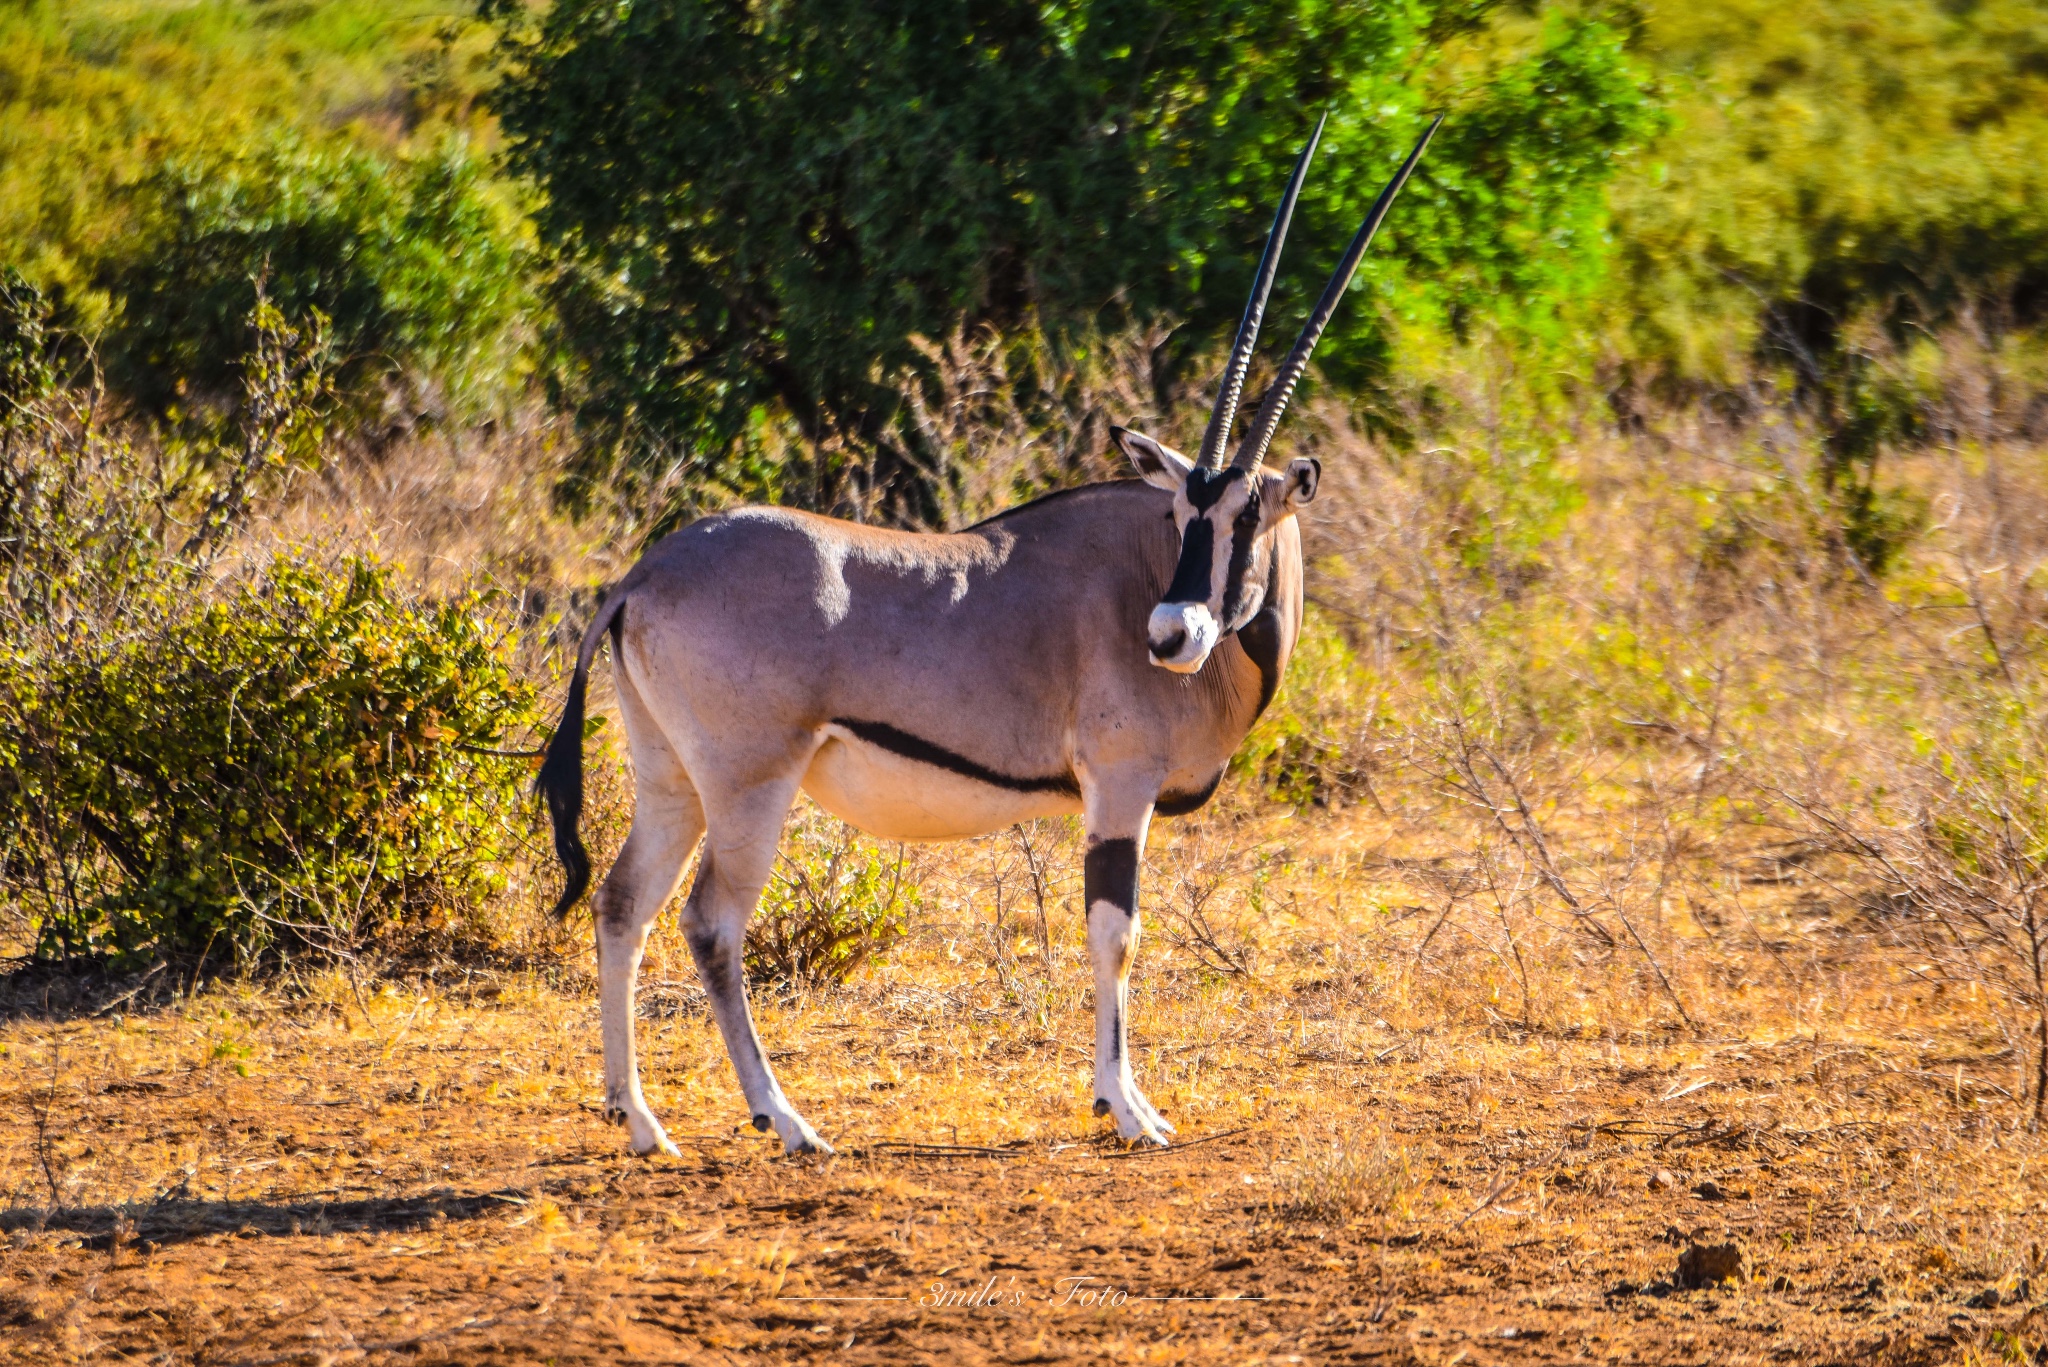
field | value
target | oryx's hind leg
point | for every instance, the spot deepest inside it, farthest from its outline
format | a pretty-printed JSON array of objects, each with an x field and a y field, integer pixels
[
  {"x": 1116, "y": 849},
  {"x": 745, "y": 827},
  {"x": 667, "y": 820}
]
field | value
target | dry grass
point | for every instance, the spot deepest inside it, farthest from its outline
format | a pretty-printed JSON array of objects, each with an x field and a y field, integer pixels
[
  {"x": 1579, "y": 947},
  {"x": 1402, "y": 1169}
]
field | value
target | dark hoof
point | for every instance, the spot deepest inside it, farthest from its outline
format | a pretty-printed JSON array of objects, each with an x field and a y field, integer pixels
[
  {"x": 761, "y": 1123},
  {"x": 1101, "y": 1106},
  {"x": 614, "y": 1116}
]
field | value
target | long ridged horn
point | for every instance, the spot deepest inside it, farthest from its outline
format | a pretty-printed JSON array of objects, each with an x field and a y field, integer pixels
[
  {"x": 1253, "y": 450},
  {"x": 1232, "y": 385}
]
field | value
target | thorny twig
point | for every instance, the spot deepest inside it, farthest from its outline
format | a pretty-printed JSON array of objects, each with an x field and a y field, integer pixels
[
  {"x": 42, "y": 1111},
  {"x": 1031, "y": 862},
  {"x": 1527, "y": 836}
]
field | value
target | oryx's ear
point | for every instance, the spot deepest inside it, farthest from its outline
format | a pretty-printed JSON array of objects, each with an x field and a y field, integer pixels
[
  {"x": 1302, "y": 478},
  {"x": 1160, "y": 466}
]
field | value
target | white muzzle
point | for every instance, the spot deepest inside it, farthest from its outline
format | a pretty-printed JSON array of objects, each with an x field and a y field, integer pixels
[{"x": 1182, "y": 635}]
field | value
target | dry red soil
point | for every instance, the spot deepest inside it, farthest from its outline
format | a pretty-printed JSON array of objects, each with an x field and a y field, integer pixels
[{"x": 239, "y": 1180}]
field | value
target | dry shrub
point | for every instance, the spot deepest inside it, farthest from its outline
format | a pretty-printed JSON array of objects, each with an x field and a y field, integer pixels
[
  {"x": 462, "y": 508},
  {"x": 1581, "y": 678},
  {"x": 1363, "y": 1174},
  {"x": 1952, "y": 839},
  {"x": 1010, "y": 418},
  {"x": 837, "y": 903},
  {"x": 1210, "y": 893}
]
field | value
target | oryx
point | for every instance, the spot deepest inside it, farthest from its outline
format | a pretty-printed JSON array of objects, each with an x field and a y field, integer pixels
[{"x": 1102, "y": 650}]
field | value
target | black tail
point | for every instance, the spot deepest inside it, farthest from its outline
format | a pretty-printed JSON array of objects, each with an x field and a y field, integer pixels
[
  {"x": 560, "y": 780},
  {"x": 561, "y": 783}
]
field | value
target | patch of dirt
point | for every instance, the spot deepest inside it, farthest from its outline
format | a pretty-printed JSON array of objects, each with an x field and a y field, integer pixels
[{"x": 230, "y": 1184}]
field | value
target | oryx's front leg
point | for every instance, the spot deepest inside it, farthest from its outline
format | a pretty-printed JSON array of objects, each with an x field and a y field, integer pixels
[
  {"x": 1116, "y": 848},
  {"x": 739, "y": 854}
]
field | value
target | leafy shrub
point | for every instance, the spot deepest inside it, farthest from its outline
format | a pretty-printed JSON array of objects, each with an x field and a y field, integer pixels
[
  {"x": 416, "y": 263},
  {"x": 288, "y": 758},
  {"x": 1311, "y": 745},
  {"x": 835, "y": 905},
  {"x": 28, "y": 374},
  {"x": 762, "y": 207},
  {"x": 284, "y": 754}
]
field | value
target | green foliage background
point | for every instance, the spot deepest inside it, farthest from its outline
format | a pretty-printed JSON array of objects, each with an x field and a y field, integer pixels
[
  {"x": 154, "y": 157},
  {"x": 1833, "y": 161},
  {"x": 751, "y": 210},
  {"x": 765, "y": 205},
  {"x": 419, "y": 269},
  {"x": 726, "y": 236}
]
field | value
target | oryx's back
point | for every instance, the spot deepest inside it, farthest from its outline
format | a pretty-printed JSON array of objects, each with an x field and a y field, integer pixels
[{"x": 791, "y": 605}]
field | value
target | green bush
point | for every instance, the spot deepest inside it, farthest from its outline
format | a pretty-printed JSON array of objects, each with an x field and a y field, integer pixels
[
  {"x": 1832, "y": 161},
  {"x": 417, "y": 264},
  {"x": 286, "y": 762},
  {"x": 762, "y": 208},
  {"x": 245, "y": 751}
]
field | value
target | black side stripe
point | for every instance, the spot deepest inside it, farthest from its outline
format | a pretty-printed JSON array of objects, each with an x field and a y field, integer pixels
[
  {"x": 1180, "y": 804},
  {"x": 924, "y": 752}
]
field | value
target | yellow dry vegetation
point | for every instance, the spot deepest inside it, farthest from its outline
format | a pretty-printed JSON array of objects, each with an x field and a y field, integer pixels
[
  {"x": 1373, "y": 1145},
  {"x": 1617, "y": 886}
]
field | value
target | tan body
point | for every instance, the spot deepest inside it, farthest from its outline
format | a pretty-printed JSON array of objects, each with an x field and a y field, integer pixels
[
  {"x": 933, "y": 634},
  {"x": 1103, "y": 650},
  {"x": 761, "y": 651}
]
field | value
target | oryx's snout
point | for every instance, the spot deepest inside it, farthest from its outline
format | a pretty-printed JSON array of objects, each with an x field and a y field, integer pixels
[{"x": 1182, "y": 635}]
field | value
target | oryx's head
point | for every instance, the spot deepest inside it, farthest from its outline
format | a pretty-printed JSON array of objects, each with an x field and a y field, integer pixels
[
  {"x": 1227, "y": 515},
  {"x": 1226, "y": 520}
]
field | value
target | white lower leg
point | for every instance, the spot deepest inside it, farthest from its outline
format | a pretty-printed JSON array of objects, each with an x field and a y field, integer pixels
[
  {"x": 666, "y": 824},
  {"x": 717, "y": 938},
  {"x": 618, "y": 969},
  {"x": 1112, "y": 943}
]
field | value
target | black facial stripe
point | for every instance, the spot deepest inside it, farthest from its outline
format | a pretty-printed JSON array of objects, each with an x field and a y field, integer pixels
[
  {"x": 924, "y": 752},
  {"x": 1244, "y": 539},
  {"x": 1191, "y": 575},
  {"x": 1180, "y": 804},
  {"x": 1260, "y": 640},
  {"x": 1204, "y": 487},
  {"x": 1109, "y": 874}
]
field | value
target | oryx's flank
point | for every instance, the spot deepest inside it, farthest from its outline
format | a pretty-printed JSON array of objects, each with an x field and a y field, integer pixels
[{"x": 1102, "y": 651}]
